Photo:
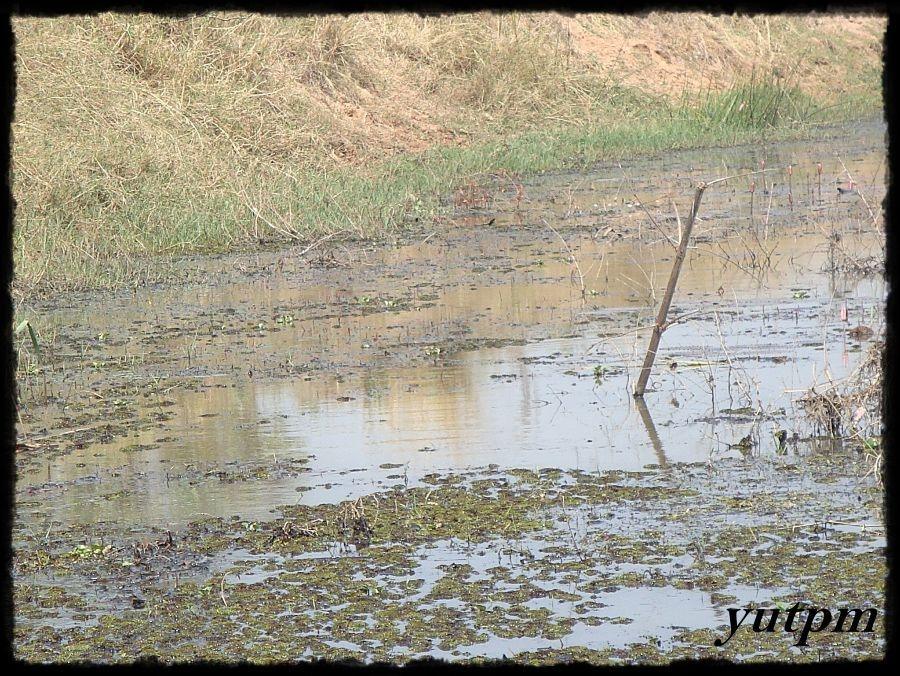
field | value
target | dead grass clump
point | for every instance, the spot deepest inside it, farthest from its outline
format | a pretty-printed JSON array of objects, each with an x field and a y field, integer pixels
[
  {"x": 850, "y": 408},
  {"x": 856, "y": 265},
  {"x": 334, "y": 60}
]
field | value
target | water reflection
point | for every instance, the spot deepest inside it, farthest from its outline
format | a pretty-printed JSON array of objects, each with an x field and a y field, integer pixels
[{"x": 652, "y": 434}]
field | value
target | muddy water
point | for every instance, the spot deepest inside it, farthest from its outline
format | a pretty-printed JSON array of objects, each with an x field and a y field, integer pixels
[
  {"x": 289, "y": 379},
  {"x": 532, "y": 405}
]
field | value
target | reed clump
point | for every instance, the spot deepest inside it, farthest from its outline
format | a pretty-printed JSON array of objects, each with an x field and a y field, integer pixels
[{"x": 851, "y": 407}]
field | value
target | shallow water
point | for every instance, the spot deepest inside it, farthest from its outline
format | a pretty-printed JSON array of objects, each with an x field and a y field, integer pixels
[{"x": 532, "y": 405}]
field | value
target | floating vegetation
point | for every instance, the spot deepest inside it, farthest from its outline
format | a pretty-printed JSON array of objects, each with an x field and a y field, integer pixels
[{"x": 474, "y": 560}]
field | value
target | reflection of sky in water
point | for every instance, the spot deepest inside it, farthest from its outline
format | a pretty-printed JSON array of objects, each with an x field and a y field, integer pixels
[{"x": 496, "y": 408}]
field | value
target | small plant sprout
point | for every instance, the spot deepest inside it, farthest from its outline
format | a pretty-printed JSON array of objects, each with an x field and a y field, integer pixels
[
  {"x": 780, "y": 440},
  {"x": 287, "y": 319},
  {"x": 25, "y": 325},
  {"x": 819, "y": 172}
]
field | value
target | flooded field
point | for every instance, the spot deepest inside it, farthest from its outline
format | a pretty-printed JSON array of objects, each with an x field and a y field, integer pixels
[{"x": 430, "y": 447}]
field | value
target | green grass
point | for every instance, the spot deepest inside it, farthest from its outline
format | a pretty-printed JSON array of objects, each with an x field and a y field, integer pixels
[{"x": 112, "y": 238}]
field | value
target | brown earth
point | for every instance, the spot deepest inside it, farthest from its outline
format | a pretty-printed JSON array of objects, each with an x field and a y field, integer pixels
[{"x": 369, "y": 84}]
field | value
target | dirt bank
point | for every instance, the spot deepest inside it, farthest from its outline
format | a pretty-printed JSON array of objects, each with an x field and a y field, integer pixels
[{"x": 175, "y": 135}]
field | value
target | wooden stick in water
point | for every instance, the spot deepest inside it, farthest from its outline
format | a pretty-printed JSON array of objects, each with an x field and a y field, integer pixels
[{"x": 659, "y": 327}]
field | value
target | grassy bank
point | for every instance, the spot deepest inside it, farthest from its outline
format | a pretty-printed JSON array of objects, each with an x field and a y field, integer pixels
[{"x": 138, "y": 136}]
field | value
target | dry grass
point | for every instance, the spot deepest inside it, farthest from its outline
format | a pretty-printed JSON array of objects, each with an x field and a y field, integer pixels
[
  {"x": 851, "y": 407},
  {"x": 140, "y": 134}
]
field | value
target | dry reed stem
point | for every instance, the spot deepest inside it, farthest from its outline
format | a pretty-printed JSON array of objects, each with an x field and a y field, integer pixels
[
  {"x": 571, "y": 255},
  {"x": 860, "y": 193}
]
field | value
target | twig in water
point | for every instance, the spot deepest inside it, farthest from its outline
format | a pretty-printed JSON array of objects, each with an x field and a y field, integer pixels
[
  {"x": 639, "y": 329},
  {"x": 653, "y": 221},
  {"x": 677, "y": 218},
  {"x": 859, "y": 192},
  {"x": 222, "y": 590},
  {"x": 316, "y": 243},
  {"x": 641, "y": 385},
  {"x": 571, "y": 255}
]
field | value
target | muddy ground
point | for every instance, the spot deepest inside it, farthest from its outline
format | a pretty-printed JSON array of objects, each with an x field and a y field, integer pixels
[{"x": 428, "y": 446}]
